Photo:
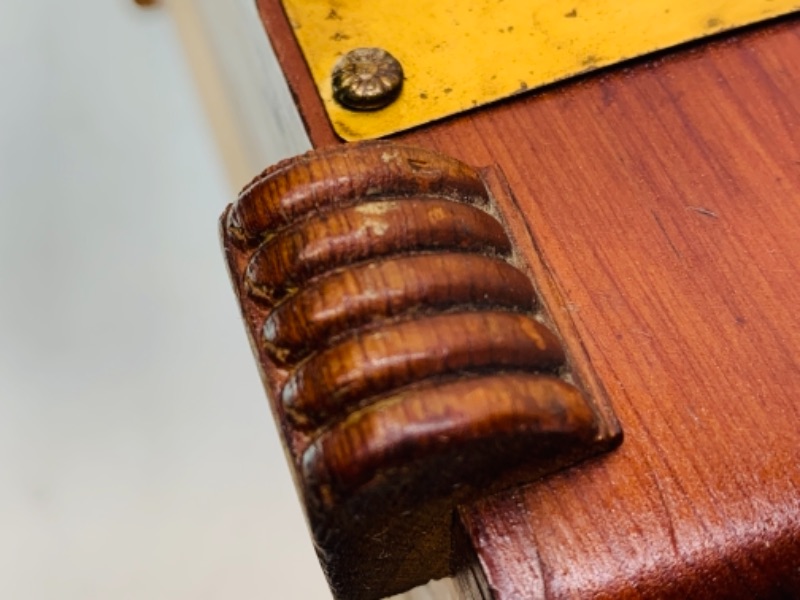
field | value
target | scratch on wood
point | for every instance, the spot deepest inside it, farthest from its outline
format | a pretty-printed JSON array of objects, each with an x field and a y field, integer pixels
[
  {"x": 666, "y": 235},
  {"x": 703, "y": 211}
]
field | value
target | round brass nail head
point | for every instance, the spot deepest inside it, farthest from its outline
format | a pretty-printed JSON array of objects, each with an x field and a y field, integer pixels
[{"x": 367, "y": 79}]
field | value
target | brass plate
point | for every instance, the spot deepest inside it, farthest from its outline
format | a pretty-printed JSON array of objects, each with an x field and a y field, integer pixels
[{"x": 460, "y": 54}]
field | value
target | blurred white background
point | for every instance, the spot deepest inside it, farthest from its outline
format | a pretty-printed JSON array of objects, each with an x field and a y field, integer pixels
[{"x": 139, "y": 459}]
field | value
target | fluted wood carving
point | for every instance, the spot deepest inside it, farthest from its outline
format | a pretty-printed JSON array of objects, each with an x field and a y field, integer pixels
[{"x": 408, "y": 361}]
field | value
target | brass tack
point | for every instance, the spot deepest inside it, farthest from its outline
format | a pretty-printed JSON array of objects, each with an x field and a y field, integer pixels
[{"x": 367, "y": 79}]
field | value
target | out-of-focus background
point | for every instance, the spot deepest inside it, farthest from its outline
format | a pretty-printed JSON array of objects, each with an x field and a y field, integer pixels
[{"x": 138, "y": 458}]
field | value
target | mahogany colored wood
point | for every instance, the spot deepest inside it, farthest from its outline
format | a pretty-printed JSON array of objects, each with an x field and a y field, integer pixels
[
  {"x": 327, "y": 241},
  {"x": 663, "y": 197},
  {"x": 340, "y": 379},
  {"x": 298, "y": 187},
  {"x": 406, "y": 357},
  {"x": 500, "y": 408},
  {"x": 371, "y": 293}
]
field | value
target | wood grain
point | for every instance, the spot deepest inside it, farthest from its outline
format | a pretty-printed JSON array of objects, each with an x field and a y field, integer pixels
[
  {"x": 663, "y": 197},
  {"x": 407, "y": 359},
  {"x": 375, "y": 292},
  {"x": 536, "y": 412},
  {"x": 332, "y": 240},
  {"x": 344, "y": 377},
  {"x": 294, "y": 188}
]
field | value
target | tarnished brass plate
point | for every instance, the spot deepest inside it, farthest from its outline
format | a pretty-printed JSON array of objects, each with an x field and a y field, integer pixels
[{"x": 459, "y": 54}]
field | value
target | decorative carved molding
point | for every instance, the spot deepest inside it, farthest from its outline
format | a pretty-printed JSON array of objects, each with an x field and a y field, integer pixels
[{"x": 405, "y": 353}]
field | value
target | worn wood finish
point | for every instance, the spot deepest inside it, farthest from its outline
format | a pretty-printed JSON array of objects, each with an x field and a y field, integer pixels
[
  {"x": 408, "y": 361},
  {"x": 664, "y": 197},
  {"x": 505, "y": 408},
  {"x": 327, "y": 241},
  {"x": 295, "y": 188}
]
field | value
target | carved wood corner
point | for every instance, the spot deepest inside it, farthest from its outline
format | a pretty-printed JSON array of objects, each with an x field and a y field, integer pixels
[{"x": 405, "y": 330}]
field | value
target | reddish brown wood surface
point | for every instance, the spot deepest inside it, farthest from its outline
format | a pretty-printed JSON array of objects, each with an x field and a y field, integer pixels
[
  {"x": 372, "y": 293},
  {"x": 446, "y": 416},
  {"x": 665, "y": 199},
  {"x": 327, "y": 241},
  {"x": 406, "y": 357}
]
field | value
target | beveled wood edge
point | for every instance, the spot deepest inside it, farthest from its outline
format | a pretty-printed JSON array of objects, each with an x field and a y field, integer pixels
[
  {"x": 290, "y": 56},
  {"x": 551, "y": 296}
]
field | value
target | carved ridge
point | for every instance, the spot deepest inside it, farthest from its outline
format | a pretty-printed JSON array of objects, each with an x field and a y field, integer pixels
[
  {"x": 335, "y": 177},
  {"x": 536, "y": 410},
  {"x": 366, "y": 232},
  {"x": 378, "y": 291},
  {"x": 343, "y": 378}
]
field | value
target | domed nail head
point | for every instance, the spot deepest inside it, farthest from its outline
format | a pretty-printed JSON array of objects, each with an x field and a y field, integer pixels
[{"x": 367, "y": 79}]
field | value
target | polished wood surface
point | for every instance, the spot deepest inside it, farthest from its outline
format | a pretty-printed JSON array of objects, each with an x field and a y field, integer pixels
[
  {"x": 331, "y": 240},
  {"x": 664, "y": 198},
  {"x": 427, "y": 371},
  {"x": 368, "y": 294}
]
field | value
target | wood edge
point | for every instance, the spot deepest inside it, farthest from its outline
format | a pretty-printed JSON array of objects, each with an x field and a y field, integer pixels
[
  {"x": 270, "y": 381},
  {"x": 210, "y": 81},
  {"x": 298, "y": 75}
]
